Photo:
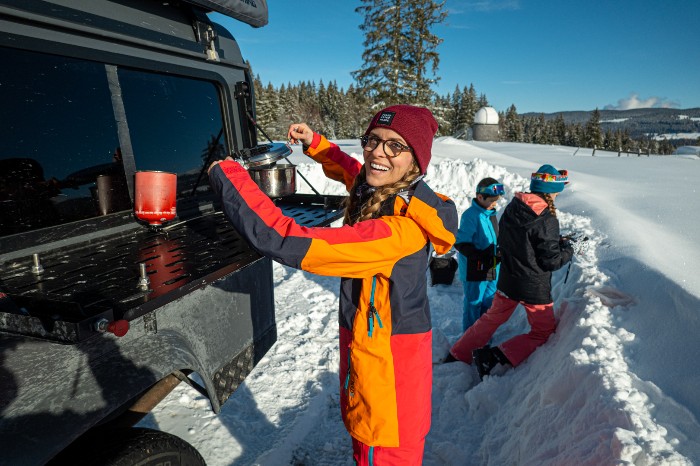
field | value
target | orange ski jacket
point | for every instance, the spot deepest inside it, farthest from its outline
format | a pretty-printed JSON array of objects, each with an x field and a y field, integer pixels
[{"x": 385, "y": 328}]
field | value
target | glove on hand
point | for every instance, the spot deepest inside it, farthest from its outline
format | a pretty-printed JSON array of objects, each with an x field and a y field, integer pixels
[{"x": 488, "y": 257}]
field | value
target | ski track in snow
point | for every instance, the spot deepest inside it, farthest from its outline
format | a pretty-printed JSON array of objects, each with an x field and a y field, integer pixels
[{"x": 287, "y": 411}]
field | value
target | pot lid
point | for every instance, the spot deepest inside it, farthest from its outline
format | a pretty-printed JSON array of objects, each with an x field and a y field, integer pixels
[{"x": 265, "y": 154}]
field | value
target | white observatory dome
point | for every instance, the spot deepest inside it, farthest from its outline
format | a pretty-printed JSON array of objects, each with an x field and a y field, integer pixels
[{"x": 486, "y": 116}]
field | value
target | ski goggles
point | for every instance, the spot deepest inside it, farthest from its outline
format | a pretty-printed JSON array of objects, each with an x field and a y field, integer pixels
[
  {"x": 562, "y": 177},
  {"x": 492, "y": 190}
]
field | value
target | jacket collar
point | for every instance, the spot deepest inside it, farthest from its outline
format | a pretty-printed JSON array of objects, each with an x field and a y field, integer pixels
[
  {"x": 533, "y": 201},
  {"x": 481, "y": 210}
]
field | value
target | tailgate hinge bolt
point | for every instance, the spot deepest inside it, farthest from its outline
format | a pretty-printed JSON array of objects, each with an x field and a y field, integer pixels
[
  {"x": 37, "y": 268},
  {"x": 143, "y": 280}
]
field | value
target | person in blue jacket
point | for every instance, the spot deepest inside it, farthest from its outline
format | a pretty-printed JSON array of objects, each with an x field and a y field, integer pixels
[
  {"x": 531, "y": 250},
  {"x": 477, "y": 243}
]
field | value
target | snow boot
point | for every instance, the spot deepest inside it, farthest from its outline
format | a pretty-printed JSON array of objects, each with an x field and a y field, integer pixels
[{"x": 486, "y": 358}]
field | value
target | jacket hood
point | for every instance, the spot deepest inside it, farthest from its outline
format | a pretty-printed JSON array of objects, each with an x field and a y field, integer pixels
[
  {"x": 527, "y": 208},
  {"x": 533, "y": 201}
]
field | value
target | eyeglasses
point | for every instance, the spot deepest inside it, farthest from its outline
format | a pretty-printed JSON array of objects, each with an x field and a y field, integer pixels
[
  {"x": 562, "y": 177},
  {"x": 491, "y": 190},
  {"x": 391, "y": 148}
]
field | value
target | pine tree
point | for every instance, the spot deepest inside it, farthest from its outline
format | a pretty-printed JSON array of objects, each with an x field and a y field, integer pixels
[
  {"x": 444, "y": 114},
  {"x": 423, "y": 56},
  {"x": 593, "y": 137},
  {"x": 360, "y": 111},
  {"x": 382, "y": 58},
  {"x": 559, "y": 133},
  {"x": 290, "y": 110},
  {"x": 267, "y": 107},
  {"x": 618, "y": 140},
  {"x": 609, "y": 141},
  {"x": 454, "y": 102},
  {"x": 310, "y": 110},
  {"x": 399, "y": 49},
  {"x": 468, "y": 108},
  {"x": 512, "y": 126},
  {"x": 330, "y": 102},
  {"x": 540, "y": 135},
  {"x": 665, "y": 147},
  {"x": 626, "y": 141}
]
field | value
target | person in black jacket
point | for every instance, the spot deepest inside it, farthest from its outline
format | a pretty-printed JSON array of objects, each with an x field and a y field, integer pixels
[{"x": 531, "y": 249}]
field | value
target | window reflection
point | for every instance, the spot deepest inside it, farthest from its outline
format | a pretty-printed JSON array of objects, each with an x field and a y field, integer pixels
[
  {"x": 60, "y": 154},
  {"x": 57, "y": 135},
  {"x": 175, "y": 125}
]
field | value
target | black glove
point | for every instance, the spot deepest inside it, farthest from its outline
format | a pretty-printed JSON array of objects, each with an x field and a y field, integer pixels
[
  {"x": 467, "y": 250},
  {"x": 567, "y": 250},
  {"x": 488, "y": 257}
]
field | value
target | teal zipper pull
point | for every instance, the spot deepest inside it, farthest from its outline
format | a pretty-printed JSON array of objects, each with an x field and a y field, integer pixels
[
  {"x": 373, "y": 311},
  {"x": 347, "y": 376},
  {"x": 379, "y": 319}
]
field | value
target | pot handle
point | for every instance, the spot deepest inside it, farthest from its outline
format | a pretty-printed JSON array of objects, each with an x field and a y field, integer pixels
[{"x": 303, "y": 177}]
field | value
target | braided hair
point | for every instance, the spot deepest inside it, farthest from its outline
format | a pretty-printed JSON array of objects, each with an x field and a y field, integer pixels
[
  {"x": 356, "y": 212},
  {"x": 550, "y": 203}
]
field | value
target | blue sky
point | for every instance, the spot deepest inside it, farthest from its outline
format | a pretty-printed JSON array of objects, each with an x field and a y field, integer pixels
[{"x": 541, "y": 55}]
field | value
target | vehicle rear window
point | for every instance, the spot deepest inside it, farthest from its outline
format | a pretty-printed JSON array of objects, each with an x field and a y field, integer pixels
[
  {"x": 72, "y": 131},
  {"x": 175, "y": 125},
  {"x": 57, "y": 134}
]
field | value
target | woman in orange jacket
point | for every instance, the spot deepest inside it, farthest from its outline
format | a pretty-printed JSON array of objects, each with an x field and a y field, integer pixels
[{"x": 381, "y": 253}]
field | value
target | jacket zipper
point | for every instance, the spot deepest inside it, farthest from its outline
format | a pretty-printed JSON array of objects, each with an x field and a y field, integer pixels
[
  {"x": 347, "y": 376},
  {"x": 370, "y": 320},
  {"x": 373, "y": 311}
]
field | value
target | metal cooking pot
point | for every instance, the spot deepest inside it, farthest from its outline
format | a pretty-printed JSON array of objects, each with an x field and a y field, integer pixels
[{"x": 276, "y": 180}]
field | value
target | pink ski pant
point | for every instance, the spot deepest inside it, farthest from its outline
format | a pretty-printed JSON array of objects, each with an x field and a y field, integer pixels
[
  {"x": 518, "y": 348},
  {"x": 405, "y": 455}
]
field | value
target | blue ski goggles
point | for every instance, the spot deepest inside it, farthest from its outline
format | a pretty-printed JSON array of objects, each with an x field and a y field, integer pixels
[{"x": 491, "y": 190}]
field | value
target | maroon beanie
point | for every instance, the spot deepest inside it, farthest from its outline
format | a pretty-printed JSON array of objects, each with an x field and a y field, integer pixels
[{"x": 416, "y": 125}]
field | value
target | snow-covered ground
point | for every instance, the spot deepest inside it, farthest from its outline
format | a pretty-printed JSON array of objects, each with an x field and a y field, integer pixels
[{"x": 616, "y": 384}]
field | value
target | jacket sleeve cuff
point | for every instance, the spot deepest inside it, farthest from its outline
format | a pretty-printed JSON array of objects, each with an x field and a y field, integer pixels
[
  {"x": 314, "y": 143},
  {"x": 231, "y": 166}
]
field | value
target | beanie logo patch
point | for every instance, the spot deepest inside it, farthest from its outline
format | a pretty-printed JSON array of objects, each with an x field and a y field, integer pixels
[{"x": 385, "y": 118}]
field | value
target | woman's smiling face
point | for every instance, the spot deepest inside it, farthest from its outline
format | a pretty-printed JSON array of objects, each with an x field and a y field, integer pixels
[{"x": 380, "y": 169}]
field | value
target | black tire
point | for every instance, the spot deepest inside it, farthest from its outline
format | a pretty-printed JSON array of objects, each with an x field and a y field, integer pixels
[{"x": 145, "y": 447}]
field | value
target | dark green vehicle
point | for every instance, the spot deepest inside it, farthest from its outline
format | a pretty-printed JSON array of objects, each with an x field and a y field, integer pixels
[{"x": 103, "y": 314}]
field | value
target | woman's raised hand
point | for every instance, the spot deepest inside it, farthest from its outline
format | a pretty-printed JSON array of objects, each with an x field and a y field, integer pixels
[{"x": 300, "y": 132}]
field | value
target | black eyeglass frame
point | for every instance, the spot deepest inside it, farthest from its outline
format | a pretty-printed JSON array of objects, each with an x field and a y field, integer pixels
[{"x": 364, "y": 140}]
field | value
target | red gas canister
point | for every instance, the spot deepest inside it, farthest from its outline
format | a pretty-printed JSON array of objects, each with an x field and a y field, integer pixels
[{"x": 155, "y": 195}]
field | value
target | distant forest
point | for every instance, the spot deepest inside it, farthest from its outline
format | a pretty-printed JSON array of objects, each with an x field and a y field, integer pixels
[{"x": 344, "y": 114}]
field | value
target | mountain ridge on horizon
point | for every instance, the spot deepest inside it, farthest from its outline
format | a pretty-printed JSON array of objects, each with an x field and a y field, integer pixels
[
  {"x": 583, "y": 115},
  {"x": 639, "y": 122}
]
